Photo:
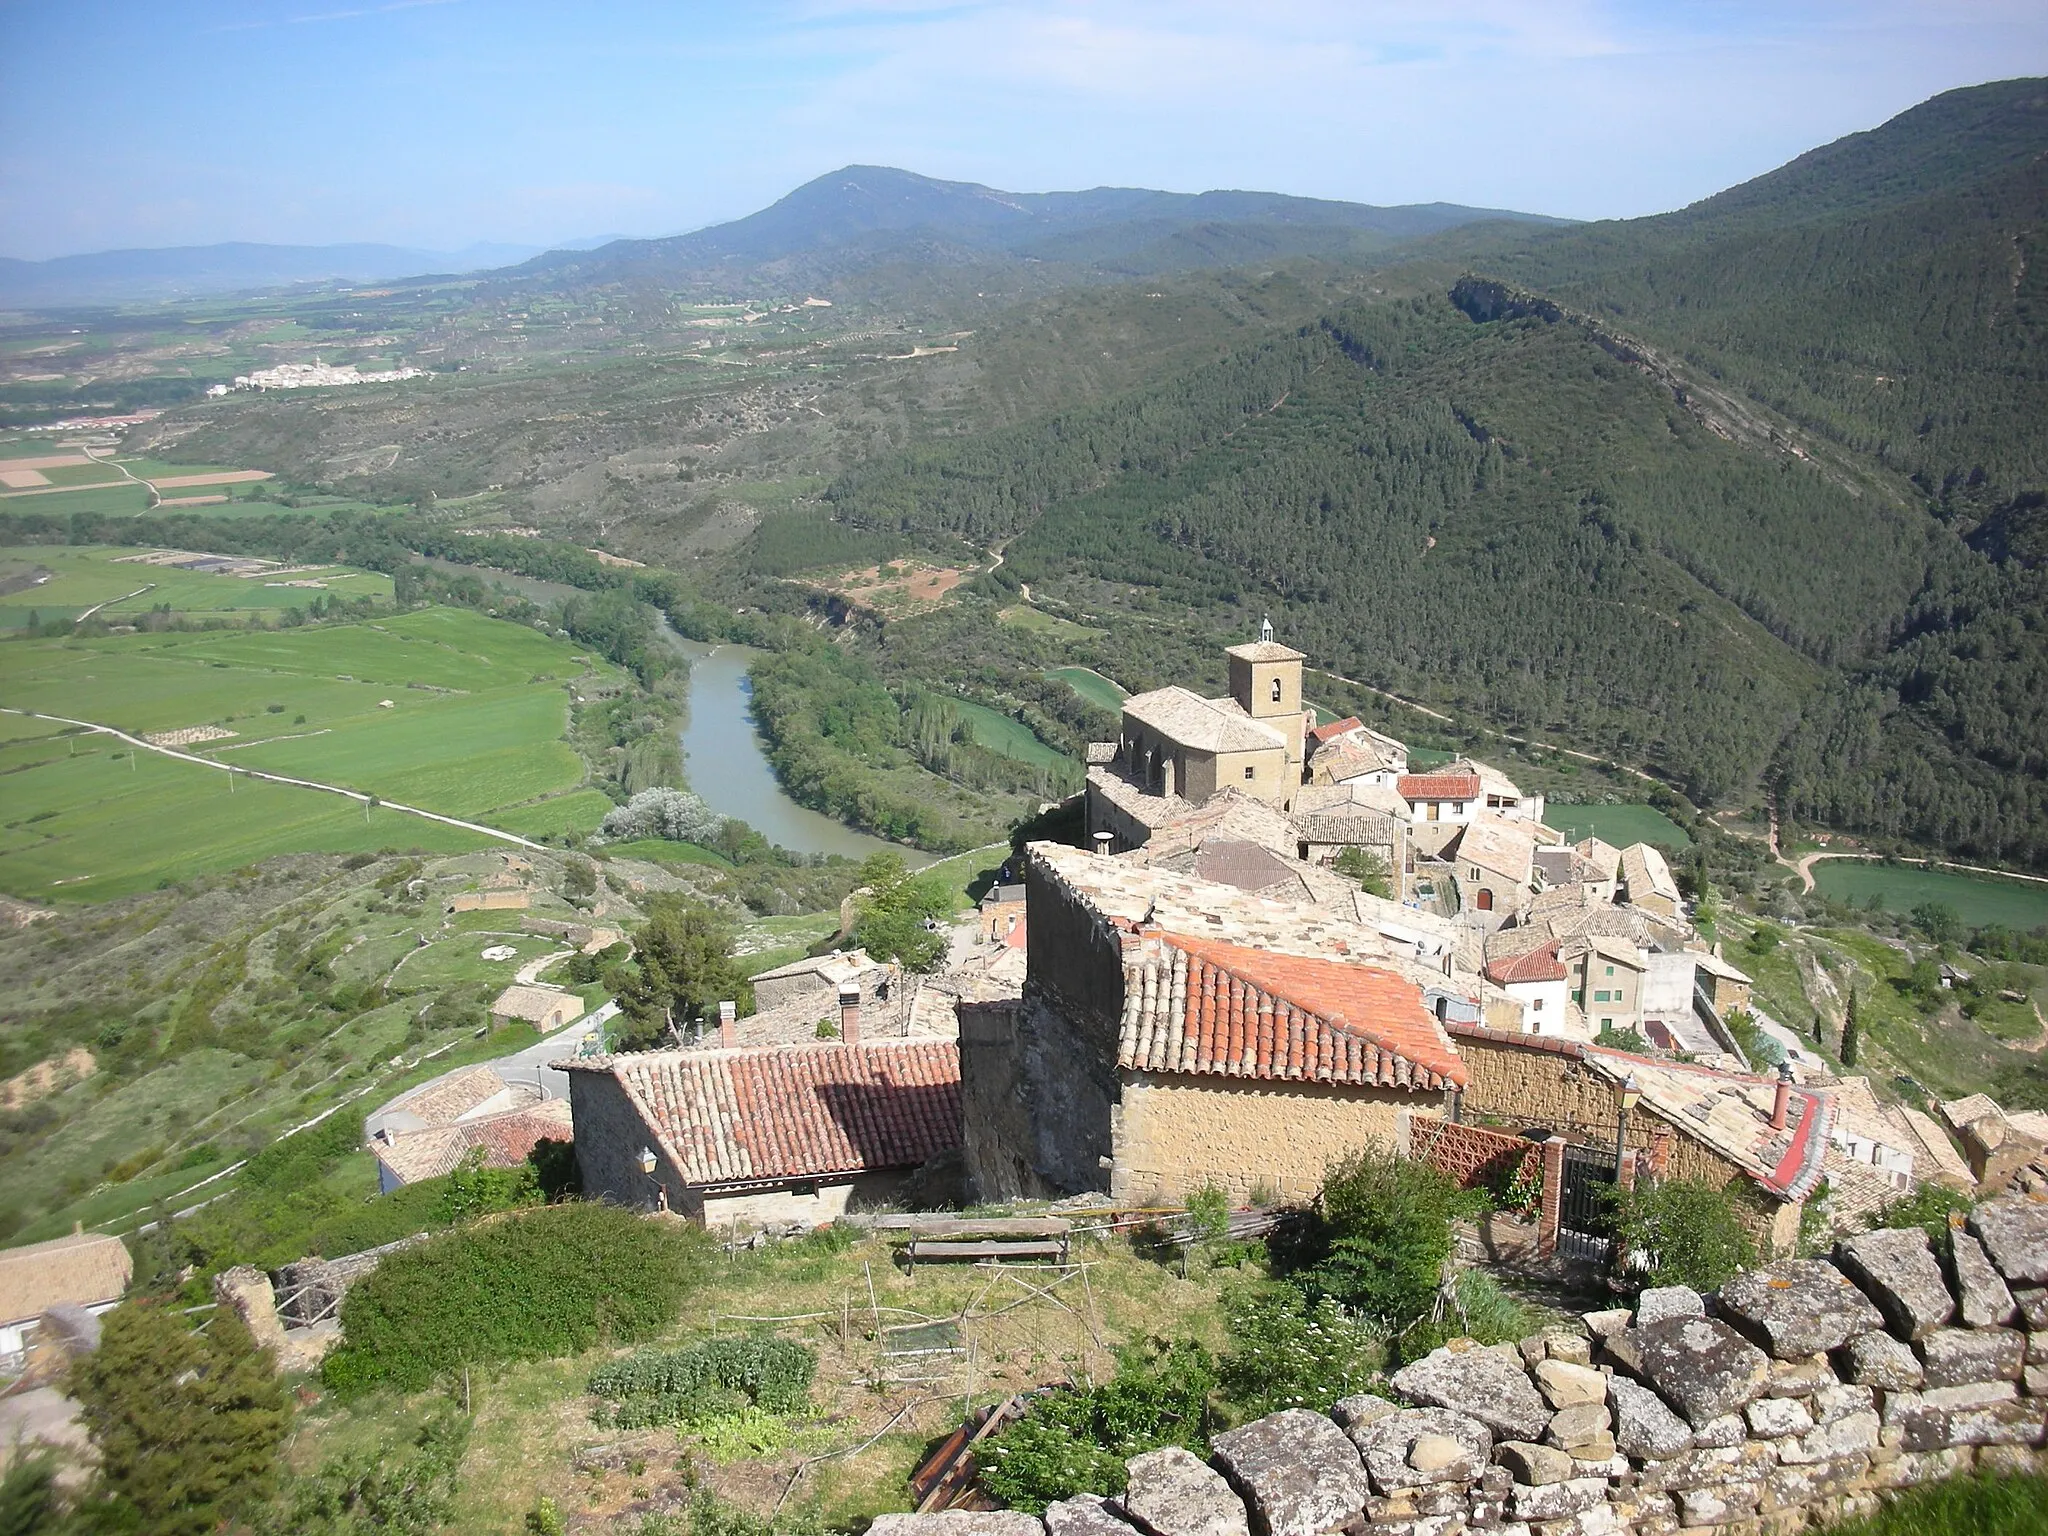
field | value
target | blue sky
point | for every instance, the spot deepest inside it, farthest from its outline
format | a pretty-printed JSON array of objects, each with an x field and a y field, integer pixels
[{"x": 440, "y": 122}]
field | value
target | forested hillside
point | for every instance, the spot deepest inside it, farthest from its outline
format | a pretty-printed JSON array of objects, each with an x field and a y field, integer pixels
[{"x": 1748, "y": 492}]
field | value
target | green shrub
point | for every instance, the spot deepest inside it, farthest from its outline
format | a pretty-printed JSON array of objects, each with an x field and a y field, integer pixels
[
  {"x": 1289, "y": 1352},
  {"x": 410, "y": 1493},
  {"x": 1682, "y": 1233},
  {"x": 1486, "y": 1312},
  {"x": 716, "y": 1378},
  {"x": 1378, "y": 1238},
  {"x": 551, "y": 1281},
  {"x": 1077, "y": 1441},
  {"x": 1928, "y": 1208}
]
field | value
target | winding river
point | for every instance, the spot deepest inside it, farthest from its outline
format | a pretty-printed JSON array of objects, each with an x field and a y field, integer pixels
[{"x": 724, "y": 759}]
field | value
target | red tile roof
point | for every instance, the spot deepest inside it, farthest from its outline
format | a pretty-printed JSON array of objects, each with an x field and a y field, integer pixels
[
  {"x": 1323, "y": 733},
  {"x": 1203, "y": 1006},
  {"x": 798, "y": 1111},
  {"x": 507, "y": 1139},
  {"x": 1538, "y": 964},
  {"x": 1438, "y": 786}
]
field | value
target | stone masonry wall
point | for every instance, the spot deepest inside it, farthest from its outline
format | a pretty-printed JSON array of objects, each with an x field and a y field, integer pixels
[{"x": 1801, "y": 1392}]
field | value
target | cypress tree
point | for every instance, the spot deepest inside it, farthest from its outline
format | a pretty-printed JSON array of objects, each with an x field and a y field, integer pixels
[
  {"x": 187, "y": 1425},
  {"x": 1849, "y": 1033},
  {"x": 1820, "y": 1028}
]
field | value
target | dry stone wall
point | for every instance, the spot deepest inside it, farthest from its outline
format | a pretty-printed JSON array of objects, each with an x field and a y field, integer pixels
[{"x": 1799, "y": 1393}]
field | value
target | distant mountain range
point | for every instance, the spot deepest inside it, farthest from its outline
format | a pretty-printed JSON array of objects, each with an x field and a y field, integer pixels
[
  {"x": 853, "y": 220},
  {"x": 192, "y": 271}
]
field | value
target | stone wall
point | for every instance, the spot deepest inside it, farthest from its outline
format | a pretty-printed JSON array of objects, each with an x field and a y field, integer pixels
[
  {"x": 1174, "y": 1134},
  {"x": 1801, "y": 1392}
]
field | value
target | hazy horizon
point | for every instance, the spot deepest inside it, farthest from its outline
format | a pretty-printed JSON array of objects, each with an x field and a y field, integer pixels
[{"x": 443, "y": 124}]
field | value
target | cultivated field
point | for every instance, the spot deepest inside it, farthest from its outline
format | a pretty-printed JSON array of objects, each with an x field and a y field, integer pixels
[
  {"x": 53, "y": 581},
  {"x": 1976, "y": 900},
  {"x": 441, "y": 709},
  {"x": 1091, "y": 685},
  {"x": 1616, "y": 824}
]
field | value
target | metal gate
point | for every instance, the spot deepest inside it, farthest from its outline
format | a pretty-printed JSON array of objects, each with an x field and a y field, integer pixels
[{"x": 1585, "y": 1218}]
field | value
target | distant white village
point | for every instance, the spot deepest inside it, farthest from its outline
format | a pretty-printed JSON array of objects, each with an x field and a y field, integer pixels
[{"x": 315, "y": 375}]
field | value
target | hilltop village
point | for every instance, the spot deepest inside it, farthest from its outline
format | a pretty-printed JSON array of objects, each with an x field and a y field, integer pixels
[{"x": 1283, "y": 942}]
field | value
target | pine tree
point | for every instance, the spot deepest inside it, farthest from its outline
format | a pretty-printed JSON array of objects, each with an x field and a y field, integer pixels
[
  {"x": 187, "y": 1425},
  {"x": 1849, "y": 1033}
]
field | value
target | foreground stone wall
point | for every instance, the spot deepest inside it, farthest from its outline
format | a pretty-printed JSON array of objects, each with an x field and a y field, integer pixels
[{"x": 1801, "y": 1392}]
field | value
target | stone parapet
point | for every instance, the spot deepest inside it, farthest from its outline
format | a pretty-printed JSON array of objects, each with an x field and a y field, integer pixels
[{"x": 1802, "y": 1393}]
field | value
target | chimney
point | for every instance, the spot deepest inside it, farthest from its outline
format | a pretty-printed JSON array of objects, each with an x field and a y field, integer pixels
[
  {"x": 849, "y": 1012},
  {"x": 1102, "y": 842},
  {"x": 728, "y": 1034},
  {"x": 1783, "y": 1101}
]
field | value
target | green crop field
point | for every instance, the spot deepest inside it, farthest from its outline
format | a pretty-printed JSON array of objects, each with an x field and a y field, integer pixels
[
  {"x": 1012, "y": 738},
  {"x": 1616, "y": 824},
  {"x": 1091, "y": 685},
  {"x": 83, "y": 578},
  {"x": 578, "y": 811},
  {"x": 475, "y": 723},
  {"x": 1977, "y": 900},
  {"x": 122, "y": 498}
]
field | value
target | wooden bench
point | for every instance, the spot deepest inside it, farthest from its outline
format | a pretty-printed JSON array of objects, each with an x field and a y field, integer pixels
[{"x": 943, "y": 1251}]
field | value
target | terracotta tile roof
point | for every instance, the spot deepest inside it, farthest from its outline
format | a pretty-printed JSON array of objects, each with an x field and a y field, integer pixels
[
  {"x": 1264, "y": 650},
  {"x": 1229, "y": 861},
  {"x": 83, "y": 1268},
  {"x": 448, "y": 1099},
  {"x": 795, "y": 1111},
  {"x": 534, "y": 1004},
  {"x": 1538, "y": 964},
  {"x": 1202, "y": 1006},
  {"x": 1461, "y": 785},
  {"x": 1323, "y": 733},
  {"x": 1193, "y": 721},
  {"x": 506, "y": 1140},
  {"x": 1645, "y": 873}
]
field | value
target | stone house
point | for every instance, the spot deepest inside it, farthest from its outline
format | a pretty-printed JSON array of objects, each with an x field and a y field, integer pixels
[
  {"x": 1647, "y": 882},
  {"x": 547, "y": 1009},
  {"x": 1349, "y": 752},
  {"x": 1441, "y": 803},
  {"x": 506, "y": 1139},
  {"x": 1763, "y": 1138},
  {"x": 1174, "y": 1033},
  {"x": 774, "y": 1134},
  {"x": 1726, "y": 987},
  {"x": 1494, "y": 865}
]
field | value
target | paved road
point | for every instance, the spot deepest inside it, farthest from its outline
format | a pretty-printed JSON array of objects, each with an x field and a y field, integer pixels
[{"x": 278, "y": 778}]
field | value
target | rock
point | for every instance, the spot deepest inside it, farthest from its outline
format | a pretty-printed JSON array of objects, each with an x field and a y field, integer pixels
[
  {"x": 1568, "y": 1386},
  {"x": 1571, "y": 1348},
  {"x": 2033, "y": 1304},
  {"x": 1595, "y": 1450},
  {"x": 1555, "y": 1501},
  {"x": 1171, "y": 1492},
  {"x": 1730, "y": 1429},
  {"x": 1387, "y": 1447},
  {"x": 1699, "y": 1365},
  {"x": 1984, "y": 1413},
  {"x": 1296, "y": 1472},
  {"x": 1982, "y": 1300},
  {"x": 1492, "y": 1389},
  {"x": 1604, "y": 1325},
  {"x": 1881, "y": 1361},
  {"x": 1720, "y": 1504},
  {"x": 1854, "y": 1434},
  {"x": 1085, "y": 1514},
  {"x": 1772, "y": 1418},
  {"x": 1800, "y": 1378},
  {"x": 1798, "y": 1307},
  {"x": 2034, "y": 1380},
  {"x": 1433, "y": 1455},
  {"x": 1570, "y": 1428},
  {"x": 1360, "y": 1409},
  {"x": 2014, "y": 1231},
  {"x": 1956, "y": 1357},
  {"x": 1838, "y": 1402},
  {"x": 1643, "y": 1426},
  {"x": 1897, "y": 1271},
  {"x": 1662, "y": 1301},
  {"x": 959, "y": 1522}
]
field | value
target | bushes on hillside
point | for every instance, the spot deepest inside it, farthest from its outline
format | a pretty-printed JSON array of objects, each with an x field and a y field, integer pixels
[
  {"x": 1682, "y": 1233},
  {"x": 551, "y": 1281},
  {"x": 1378, "y": 1238}
]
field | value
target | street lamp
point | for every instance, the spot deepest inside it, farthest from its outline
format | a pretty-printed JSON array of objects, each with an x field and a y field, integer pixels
[
  {"x": 1625, "y": 1099},
  {"x": 646, "y": 1161}
]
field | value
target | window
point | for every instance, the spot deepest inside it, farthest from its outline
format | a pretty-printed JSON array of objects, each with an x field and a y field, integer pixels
[
  {"x": 1600, "y": 996},
  {"x": 1276, "y": 690},
  {"x": 1579, "y": 995},
  {"x": 1536, "y": 1006},
  {"x": 1249, "y": 771},
  {"x": 1607, "y": 1023},
  {"x": 1475, "y": 873},
  {"x": 1435, "y": 810},
  {"x": 1610, "y": 970}
]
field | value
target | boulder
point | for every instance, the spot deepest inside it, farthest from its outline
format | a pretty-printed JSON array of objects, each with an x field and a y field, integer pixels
[
  {"x": 959, "y": 1522},
  {"x": 1565, "y": 1385},
  {"x": 1172, "y": 1492},
  {"x": 1982, "y": 1300},
  {"x": 1606, "y": 1324},
  {"x": 2032, "y": 1301},
  {"x": 1295, "y": 1471},
  {"x": 1800, "y": 1378},
  {"x": 1571, "y": 1348},
  {"x": 1488, "y": 1386},
  {"x": 1956, "y": 1357},
  {"x": 1573, "y": 1428},
  {"x": 1897, "y": 1270},
  {"x": 1387, "y": 1447},
  {"x": 1361, "y": 1409},
  {"x": 1555, "y": 1501},
  {"x": 1984, "y": 1413},
  {"x": 1535, "y": 1465},
  {"x": 1699, "y": 1365},
  {"x": 1879, "y": 1360},
  {"x": 1839, "y": 1401},
  {"x": 1662, "y": 1301},
  {"x": 1086, "y": 1514},
  {"x": 2014, "y": 1231},
  {"x": 1643, "y": 1427},
  {"x": 1798, "y": 1307},
  {"x": 1730, "y": 1429}
]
